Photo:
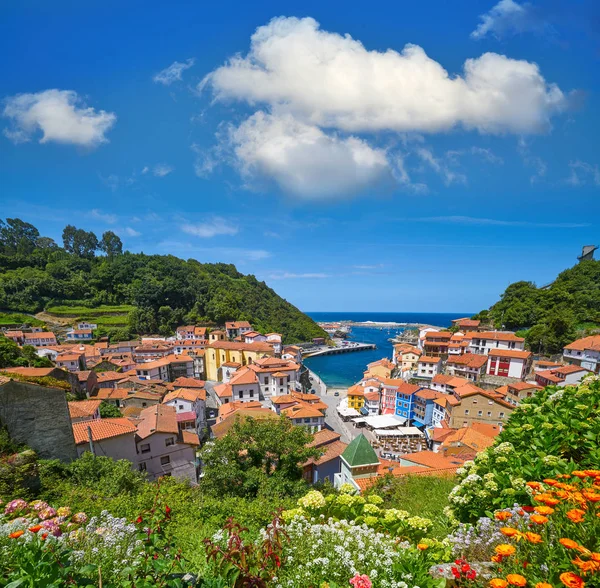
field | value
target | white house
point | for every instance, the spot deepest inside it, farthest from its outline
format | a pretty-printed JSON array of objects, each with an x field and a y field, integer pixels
[
  {"x": 485, "y": 341},
  {"x": 70, "y": 361},
  {"x": 161, "y": 449},
  {"x": 470, "y": 366},
  {"x": 236, "y": 328},
  {"x": 244, "y": 385},
  {"x": 372, "y": 402},
  {"x": 112, "y": 437},
  {"x": 253, "y": 337},
  {"x": 276, "y": 376},
  {"x": 188, "y": 400},
  {"x": 80, "y": 335},
  {"x": 566, "y": 375},
  {"x": 39, "y": 339},
  {"x": 585, "y": 353},
  {"x": 508, "y": 363},
  {"x": 427, "y": 366},
  {"x": 275, "y": 340}
]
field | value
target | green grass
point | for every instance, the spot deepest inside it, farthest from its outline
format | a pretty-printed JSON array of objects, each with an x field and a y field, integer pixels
[
  {"x": 424, "y": 496},
  {"x": 11, "y": 318},
  {"x": 84, "y": 311}
]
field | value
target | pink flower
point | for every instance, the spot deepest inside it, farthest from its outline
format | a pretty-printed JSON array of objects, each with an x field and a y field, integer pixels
[
  {"x": 361, "y": 581},
  {"x": 15, "y": 506}
]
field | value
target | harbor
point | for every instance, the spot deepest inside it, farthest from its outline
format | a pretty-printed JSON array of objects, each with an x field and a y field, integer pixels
[{"x": 339, "y": 347}]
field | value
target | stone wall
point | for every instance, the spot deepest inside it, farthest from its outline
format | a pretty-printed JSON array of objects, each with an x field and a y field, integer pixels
[{"x": 39, "y": 417}]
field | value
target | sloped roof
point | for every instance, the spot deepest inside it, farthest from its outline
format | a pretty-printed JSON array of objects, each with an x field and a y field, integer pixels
[
  {"x": 471, "y": 360},
  {"x": 159, "y": 418},
  {"x": 323, "y": 437},
  {"x": 83, "y": 408},
  {"x": 331, "y": 451},
  {"x": 512, "y": 353},
  {"x": 360, "y": 452},
  {"x": 221, "y": 429},
  {"x": 243, "y": 376},
  {"x": 186, "y": 394},
  {"x": 102, "y": 429}
]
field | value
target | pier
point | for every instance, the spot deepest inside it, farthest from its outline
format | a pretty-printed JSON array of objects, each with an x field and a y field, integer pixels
[{"x": 326, "y": 350}]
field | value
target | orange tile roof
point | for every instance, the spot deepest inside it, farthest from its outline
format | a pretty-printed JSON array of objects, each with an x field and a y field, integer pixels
[
  {"x": 516, "y": 353},
  {"x": 441, "y": 379},
  {"x": 188, "y": 394},
  {"x": 471, "y": 360},
  {"x": 430, "y": 459},
  {"x": 40, "y": 335},
  {"x": 223, "y": 390},
  {"x": 356, "y": 390},
  {"x": 302, "y": 411},
  {"x": 83, "y": 408},
  {"x": 428, "y": 359},
  {"x": 157, "y": 419},
  {"x": 243, "y": 376},
  {"x": 331, "y": 451},
  {"x": 238, "y": 325},
  {"x": 109, "y": 376},
  {"x": 183, "y": 382},
  {"x": 520, "y": 386},
  {"x": 568, "y": 369},
  {"x": 469, "y": 437},
  {"x": 372, "y": 396},
  {"x": 259, "y": 347},
  {"x": 486, "y": 429},
  {"x": 112, "y": 393},
  {"x": 498, "y": 336},
  {"x": 230, "y": 407},
  {"x": 221, "y": 429},
  {"x": 190, "y": 438},
  {"x": 591, "y": 342},
  {"x": 323, "y": 437},
  {"x": 447, "y": 335},
  {"x": 102, "y": 429},
  {"x": 428, "y": 394}
]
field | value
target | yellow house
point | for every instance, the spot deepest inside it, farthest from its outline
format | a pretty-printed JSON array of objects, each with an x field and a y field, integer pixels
[
  {"x": 217, "y": 336},
  {"x": 220, "y": 352},
  {"x": 356, "y": 397},
  {"x": 407, "y": 356},
  {"x": 382, "y": 368}
]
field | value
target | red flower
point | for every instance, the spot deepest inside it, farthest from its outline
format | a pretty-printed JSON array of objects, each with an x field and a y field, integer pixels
[
  {"x": 455, "y": 572},
  {"x": 277, "y": 561},
  {"x": 139, "y": 520},
  {"x": 472, "y": 574},
  {"x": 168, "y": 512},
  {"x": 465, "y": 568}
]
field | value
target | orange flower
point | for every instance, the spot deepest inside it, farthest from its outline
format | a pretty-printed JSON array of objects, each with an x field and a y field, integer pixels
[
  {"x": 550, "y": 482},
  {"x": 551, "y": 501},
  {"x": 595, "y": 556},
  {"x": 534, "y": 485},
  {"x": 502, "y": 515},
  {"x": 35, "y": 528},
  {"x": 538, "y": 519},
  {"x": 544, "y": 510},
  {"x": 576, "y": 515},
  {"x": 498, "y": 583},
  {"x": 543, "y": 585},
  {"x": 592, "y": 473},
  {"x": 44, "y": 535},
  {"x": 509, "y": 531},
  {"x": 533, "y": 538},
  {"x": 16, "y": 534},
  {"x": 579, "y": 474},
  {"x": 542, "y": 497},
  {"x": 422, "y": 546},
  {"x": 505, "y": 550},
  {"x": 496, "y": 558},
  {"x": 568, "y": 543},
  {"x": 516, "y": 580},
  {"x": 571, "y": 580},
  {"x": 586, "y": 566},
  {"x": 591, "y": 496}
]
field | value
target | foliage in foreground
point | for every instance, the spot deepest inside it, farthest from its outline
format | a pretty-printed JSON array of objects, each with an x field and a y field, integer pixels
[
  {"x": 554, "y": 432},
  {"x": 11, "y": 355}
]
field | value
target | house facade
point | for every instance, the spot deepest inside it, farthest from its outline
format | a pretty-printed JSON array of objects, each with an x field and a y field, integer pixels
[
  {"x": 428, "y": 367},
  {"x": 484, "y": 342},
  {"x": 508, "y": 363},
  {"x": 584, "y": 353},
  {"x": 220, "y": 352},
  {"x": 470, "y": 366}
]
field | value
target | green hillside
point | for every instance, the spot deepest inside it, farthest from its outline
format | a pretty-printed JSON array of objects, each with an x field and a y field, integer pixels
[
  {"x": 165, "y": 291},
  {"x": 553, "y": 316}
]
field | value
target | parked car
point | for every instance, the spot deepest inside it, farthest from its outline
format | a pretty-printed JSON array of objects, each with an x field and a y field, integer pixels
[{"x": 336, "y": 393}]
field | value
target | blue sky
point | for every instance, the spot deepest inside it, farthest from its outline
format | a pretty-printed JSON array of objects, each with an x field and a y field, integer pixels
[{"x": 387, "y": 156}]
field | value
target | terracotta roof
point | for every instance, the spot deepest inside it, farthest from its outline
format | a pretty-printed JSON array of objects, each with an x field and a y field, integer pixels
[
  {"x": 302, "y": 411},
  {"x": 323, "y": 437},
  {"x": 519, "y": 386},
  {"x": 568, "y": 369},
  {"x": 516, "y": 353},
  {"x": 243, "y": 376},
  {"x": 466, "y": 322},
  {"x": 186, "y": 394},
  {"x": 585, "y": 343},
  {"x": 428, "y": 359},
  {"x": 469, "y": 437},
  {"x": 430, "y": 459},
  {"x": 39, "y": 335},
  {"x": 150, "y": 365},
  {"x": 83, "y": 408},
  {"x": 428, "y": 394},
  {"x": 109, "y": 376},
  {"x": 372, "y": 396},
  {"x": 238, "y": 325},
  {"x": 446, "y": 399},
  {"x": 223, "y": 390},
  {"x": 221, "y": 429},
  {"x": 30, "y": 371},
  {"x": 227, "y": 409},
  {"x": 183, "y": 382},
  {"x": 498, "y": 336},
  {"x": 112, "y": 393},
  {"x": 146, "y": 395},
  {"x": 385, "y": 362},
  {"x": 102, "y": 429},
  {"x": 157, "y": 419},
  {"x": 486, "y": 429},
  {"x": 356, "y": 390},
  {"x": 471, "y": 360},
  {"x": 441, "y": 379},
  {"x": 331, "y": 451},
  {"x": 131, "y": 412},
  {"x": 68, "y": 356},
  {"x": 190, "y": 438},
  {"x": 502, "y": 390},
  {"x": 189, "y": 415},
  {"x": 445, "y": 335},
  {"x": 548, "y": 375},
  {"x": 83, "y": 375},
  {"x": 259, "y": 346}
]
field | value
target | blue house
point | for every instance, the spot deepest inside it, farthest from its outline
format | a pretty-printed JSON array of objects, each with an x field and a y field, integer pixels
[
  {"x": 423, "y": 406},
  {"x": 405, "y": 401}
]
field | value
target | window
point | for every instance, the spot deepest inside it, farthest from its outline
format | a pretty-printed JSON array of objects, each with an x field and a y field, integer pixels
[
  {"x": 480, "y": 413},
  {"x": 467, "y": 411},
  {"x": 251, "y": 393},
  {"x": 489, "y": 413},
  {"x": 241, "y": 394},
  {"x": 169, "y": 441},
  {"x": 474, "y": 401},
  {"x": 266, "y": 379},
  {"x": 501, "y": 415},
  {"x": 144, "y": 405},
  {"x": 142, "y": 466},
  {"x": 181, "y": 407},
  {"x": 165, "y": 460},
  {"x": 145, "y": 448}
]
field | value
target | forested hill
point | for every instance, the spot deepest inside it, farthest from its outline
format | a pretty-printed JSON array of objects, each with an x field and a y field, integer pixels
[
  {"x": 554, "y": 316},
  {"x": 166, "y": 291}
]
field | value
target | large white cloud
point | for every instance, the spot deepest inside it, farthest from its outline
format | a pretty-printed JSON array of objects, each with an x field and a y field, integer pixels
[
  {"x": 302, "y": 159},
  {"x": 60, "y": 115},
  {"x": 331, "y": 80}
]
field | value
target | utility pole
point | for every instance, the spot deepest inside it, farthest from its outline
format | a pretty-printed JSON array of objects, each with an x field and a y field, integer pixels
[{"x": 90, "y": 439}]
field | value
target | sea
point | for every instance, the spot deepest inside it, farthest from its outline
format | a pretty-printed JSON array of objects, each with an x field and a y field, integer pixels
[{"x": 345, "y": 369}]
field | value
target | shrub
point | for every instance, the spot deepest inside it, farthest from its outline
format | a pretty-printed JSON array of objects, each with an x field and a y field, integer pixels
[{"x": 554, "y": 432}]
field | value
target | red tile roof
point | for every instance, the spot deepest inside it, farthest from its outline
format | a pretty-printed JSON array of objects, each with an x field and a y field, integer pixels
[
  {"x": 428, "y": 359},
  {"x": 470, "y": 360},
  {"x": 157, "y": 419},
  {"x": 83, "y": 408},
  {"x": 513, "y": 353},
  {"x": 186, "y": 394},
  {"x": 243, "y": 376},
  {"x": 259, "y": 347},
  {"x": 102, "y": 429},
  {"x": 592, "y": 342},
  {"x": 498, "y": 336}
]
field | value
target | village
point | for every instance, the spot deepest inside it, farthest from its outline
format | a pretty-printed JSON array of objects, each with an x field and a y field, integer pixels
[{"x": 424, "y": 411}]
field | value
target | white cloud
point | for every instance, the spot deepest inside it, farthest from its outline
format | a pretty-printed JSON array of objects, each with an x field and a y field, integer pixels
[
  {"x": 329, "y": 80},
  {"x": 302, "y": 159},
  {"x": 440, "y": 167},
  {"x": 60, "y": 115},
  {"x": 293, "y": 276},
  {"x": 487, "y": 154},
  {"x": 131, "y": 232},
  {"x": 145, "y": 170},
  {"x": 161, "y": 170},
  {"x": 173, "y": 73},
  {"x": 471, "y": 220},
  {"x": 211, "y": 228},
  {"x": 583, "y": 173},
  {"x": 539, "y": 166},
  {"x": 111, "y": 219},
  {"x": 510, "y": 18}
]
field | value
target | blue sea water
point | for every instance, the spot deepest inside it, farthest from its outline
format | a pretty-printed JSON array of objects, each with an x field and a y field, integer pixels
[{"x": 346, "y": 369}]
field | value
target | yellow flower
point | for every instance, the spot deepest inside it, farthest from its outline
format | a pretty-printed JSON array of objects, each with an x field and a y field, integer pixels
[{"x": 422, "y": 546}]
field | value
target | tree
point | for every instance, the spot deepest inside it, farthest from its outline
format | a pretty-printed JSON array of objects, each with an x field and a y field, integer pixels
[
  {"x": 254, "y": 454},
  {"x": 111, "y": 244},
  {"x": 79, "y": 242},
  {"x": 17, "y": 236},
  {"x": 10, "y": 354},
  {"x": 108, "y": 410}
]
